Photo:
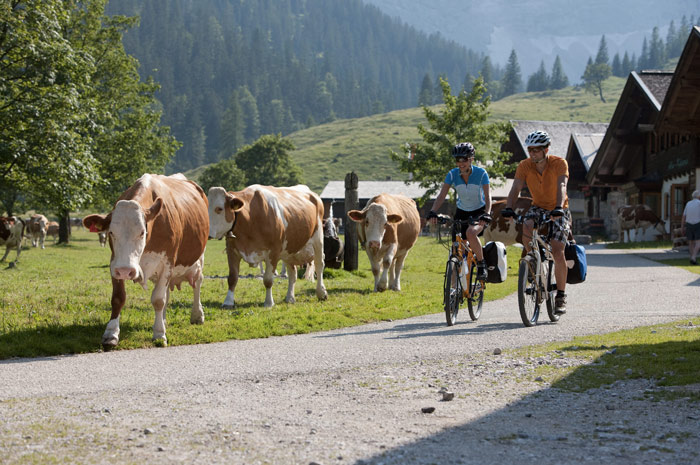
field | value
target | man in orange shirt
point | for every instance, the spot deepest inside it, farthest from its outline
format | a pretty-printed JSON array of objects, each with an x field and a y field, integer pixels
[{"x": 546, "y": 177}]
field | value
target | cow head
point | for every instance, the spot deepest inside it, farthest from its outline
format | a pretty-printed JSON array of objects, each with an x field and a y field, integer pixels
[
  {"x": 127, "y": 226},
  {"x": 374, "y": 220},
  {"x": 222, "y": 211}
]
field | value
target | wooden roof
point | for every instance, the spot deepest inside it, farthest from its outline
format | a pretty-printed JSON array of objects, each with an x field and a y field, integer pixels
[
  {"x": 559, "y": 131},
  {"x": 635, "y": 115},
  {"x": 582, "y": 151},
  {"x": 680, "y": 111}
]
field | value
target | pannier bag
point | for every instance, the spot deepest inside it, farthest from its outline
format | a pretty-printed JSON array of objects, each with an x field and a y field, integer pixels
[
  {"x": 576, "y": 263},
  {"x": 496, "y": 263}
]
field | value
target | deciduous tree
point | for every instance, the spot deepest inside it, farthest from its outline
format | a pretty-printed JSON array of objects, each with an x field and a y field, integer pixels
[{"x": 463, "y": 118}]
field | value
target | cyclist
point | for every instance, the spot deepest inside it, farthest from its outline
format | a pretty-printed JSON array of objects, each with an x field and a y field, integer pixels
[
  {"x": 473, "y": 199},
  {"x": 546, "y": 177}
]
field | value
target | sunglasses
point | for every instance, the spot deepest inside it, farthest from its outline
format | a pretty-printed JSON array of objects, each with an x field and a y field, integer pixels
[{"x": 461, "y": 159}]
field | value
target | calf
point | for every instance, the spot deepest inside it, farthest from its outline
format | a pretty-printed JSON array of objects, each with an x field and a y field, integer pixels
[
  {"x": 37, "y": 227},
  {"x": 332, "y": 245},
  {"x": 11, "y": 235},
  {"x": 638, "y": 218},
  {"x": 52, "y": 230},
  {"x": 264, "y": 223},
  {"x": 389, "y": 226},
  {"x": 157, "y": 231}
]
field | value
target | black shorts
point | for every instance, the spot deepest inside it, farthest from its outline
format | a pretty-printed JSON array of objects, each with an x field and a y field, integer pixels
[{"x": 463, "y": 215}]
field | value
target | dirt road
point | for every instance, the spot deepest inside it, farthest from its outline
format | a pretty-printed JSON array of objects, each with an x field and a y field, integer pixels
[{"x": 357, "y": 395}]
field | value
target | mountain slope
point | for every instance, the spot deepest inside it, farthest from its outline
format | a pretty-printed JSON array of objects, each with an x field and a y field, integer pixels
[
  {"x": 329, "y": 151},
  {"x": 541, "y": 29}
]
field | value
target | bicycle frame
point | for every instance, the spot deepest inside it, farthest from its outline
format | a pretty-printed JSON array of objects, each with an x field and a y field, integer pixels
[
  {"x": 461, "y": 250},
  {"x": 540, "y": 251},
  {"x": 535, "y": 275},
  {"x": 461, "y": 283}
]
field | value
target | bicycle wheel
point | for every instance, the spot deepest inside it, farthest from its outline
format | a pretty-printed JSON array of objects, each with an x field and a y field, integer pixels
[
  {"x": 476, "y": 294},
  {"x": 551, "y": 292},
  {"x": 453, "y": 291},
  {"x": 527, "y": 292}
]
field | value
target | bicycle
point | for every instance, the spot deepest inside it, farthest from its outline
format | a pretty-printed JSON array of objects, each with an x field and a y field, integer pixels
[
  {"x": 536, "y": 275},
  {"x": 460, "y": 284}
]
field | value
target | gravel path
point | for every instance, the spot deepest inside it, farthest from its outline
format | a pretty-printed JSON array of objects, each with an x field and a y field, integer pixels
[{"x": 355, "y": 396}]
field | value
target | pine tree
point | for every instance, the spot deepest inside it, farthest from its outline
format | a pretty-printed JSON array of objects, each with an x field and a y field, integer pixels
[
  {"x": 643, "y": 61},
  {"x": 558, "y": 79},
  {"x": 512, "y": 81},
  {"x": 626, "y": 66},
  {"x": 425, "y": 97},
  {"x": 617, "y": 66},
  {"x": 671, "y": 41},
  {"x": 539, "y": 80},
  {"x": 657, "y": 56},
  {"x": 602, "y": 56}
]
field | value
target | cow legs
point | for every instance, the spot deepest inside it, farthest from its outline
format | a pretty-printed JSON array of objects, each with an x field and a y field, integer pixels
[
  {"x": 7, "y": 251},
  {"x": 197, "y": 315},
  {"x": 381, "y": 284},
  {"x": 291, "y": 283},
  {"x": 159, "y": 298},
  {"x": 319, "y": 263},
  {"x": 234, "y": 264},
  {"x": 110, "y": 338},
  {"x": 269, "y": 280},
  {"x": 395, "y": 272}
]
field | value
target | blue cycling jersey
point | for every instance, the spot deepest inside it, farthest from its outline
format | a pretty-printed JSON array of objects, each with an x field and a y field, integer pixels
[{"x": 470, "y": 195}]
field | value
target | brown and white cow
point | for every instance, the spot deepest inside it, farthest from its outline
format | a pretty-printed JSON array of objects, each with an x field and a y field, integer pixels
[
  {"x": 269, "y": 224},
  {"x": 389, "y": 226},
  {"x": 157, "y": 231},
  {"x": 505, "y": 229},
  {"x": 52, "y": 230},
  {"x": 102, "y": 237},
  {"x": 11, "y": 235},
  {"x": 37, "y": 227},
  {"x": 638, "y": 218}
]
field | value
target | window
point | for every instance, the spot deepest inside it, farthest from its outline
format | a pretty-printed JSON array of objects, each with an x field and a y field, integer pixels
[{"x": 677, "y": 199}]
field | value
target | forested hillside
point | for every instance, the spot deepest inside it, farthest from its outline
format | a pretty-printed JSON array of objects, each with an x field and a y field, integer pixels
[{"x": 231, "y": 70}]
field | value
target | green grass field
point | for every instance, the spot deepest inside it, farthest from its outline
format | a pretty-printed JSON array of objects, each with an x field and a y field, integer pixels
[{"x": 56, "y": 301}]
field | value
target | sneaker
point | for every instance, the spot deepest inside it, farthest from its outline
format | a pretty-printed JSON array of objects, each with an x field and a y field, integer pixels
[
  {"x": 481, "y": 273},
  {"x": 560, "y": 304}
]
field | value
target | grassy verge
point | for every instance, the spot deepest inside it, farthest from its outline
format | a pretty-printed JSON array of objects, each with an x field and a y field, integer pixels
[
  {"x": 667, "y": 353},
  {"x": 56, "y": 301},
  {"x": 640, "y": 245}
]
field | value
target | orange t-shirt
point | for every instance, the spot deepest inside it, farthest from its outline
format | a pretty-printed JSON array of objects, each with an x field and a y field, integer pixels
[{"x": 543, "y": 187}]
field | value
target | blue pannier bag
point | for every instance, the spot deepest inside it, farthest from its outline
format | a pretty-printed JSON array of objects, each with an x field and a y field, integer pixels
[{"x": 576, "y": 263}]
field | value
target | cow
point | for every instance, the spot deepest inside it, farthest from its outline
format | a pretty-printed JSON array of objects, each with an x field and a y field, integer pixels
[
  {"x": 265, "y": 223},
  {"x": 333, "y": 247},
  {"x": 52, "y": 230},
  {"x": 37, "y": 227},
  {"x": 102, "y": 237},
  {"x": 11, "y": 235},
  {"x": 504, "y": 229},
  {"x": 389, "y": 226},
  {"x": 638, "y": 218},
  {"x": 157, "y": 231}
]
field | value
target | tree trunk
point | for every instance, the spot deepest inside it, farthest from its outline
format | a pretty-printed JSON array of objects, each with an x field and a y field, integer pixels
[{"x": 64, "y": 227}]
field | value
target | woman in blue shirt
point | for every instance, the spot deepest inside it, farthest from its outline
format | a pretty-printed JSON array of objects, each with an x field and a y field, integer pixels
[{"x": 473, "y": 199}]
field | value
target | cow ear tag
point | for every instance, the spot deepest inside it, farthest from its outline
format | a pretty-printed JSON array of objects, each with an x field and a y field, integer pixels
[{"x": 93, "y": 228}]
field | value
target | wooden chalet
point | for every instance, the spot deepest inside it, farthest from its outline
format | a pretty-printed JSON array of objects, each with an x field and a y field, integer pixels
[
  {"x": 561, "y": 133},
  {"x": 650, "y": 152}
]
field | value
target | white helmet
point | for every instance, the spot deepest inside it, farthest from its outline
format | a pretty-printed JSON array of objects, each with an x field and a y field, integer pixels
[{"x": 537, "y": 139}]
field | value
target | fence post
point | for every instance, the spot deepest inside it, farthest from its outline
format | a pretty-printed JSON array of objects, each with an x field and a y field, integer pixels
[{"x": 351, "y": 203}]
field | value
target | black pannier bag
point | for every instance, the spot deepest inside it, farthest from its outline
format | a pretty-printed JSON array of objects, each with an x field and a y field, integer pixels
[
  {"x": 576, "y": 263},
  {"x": 496, "y": 263}
]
